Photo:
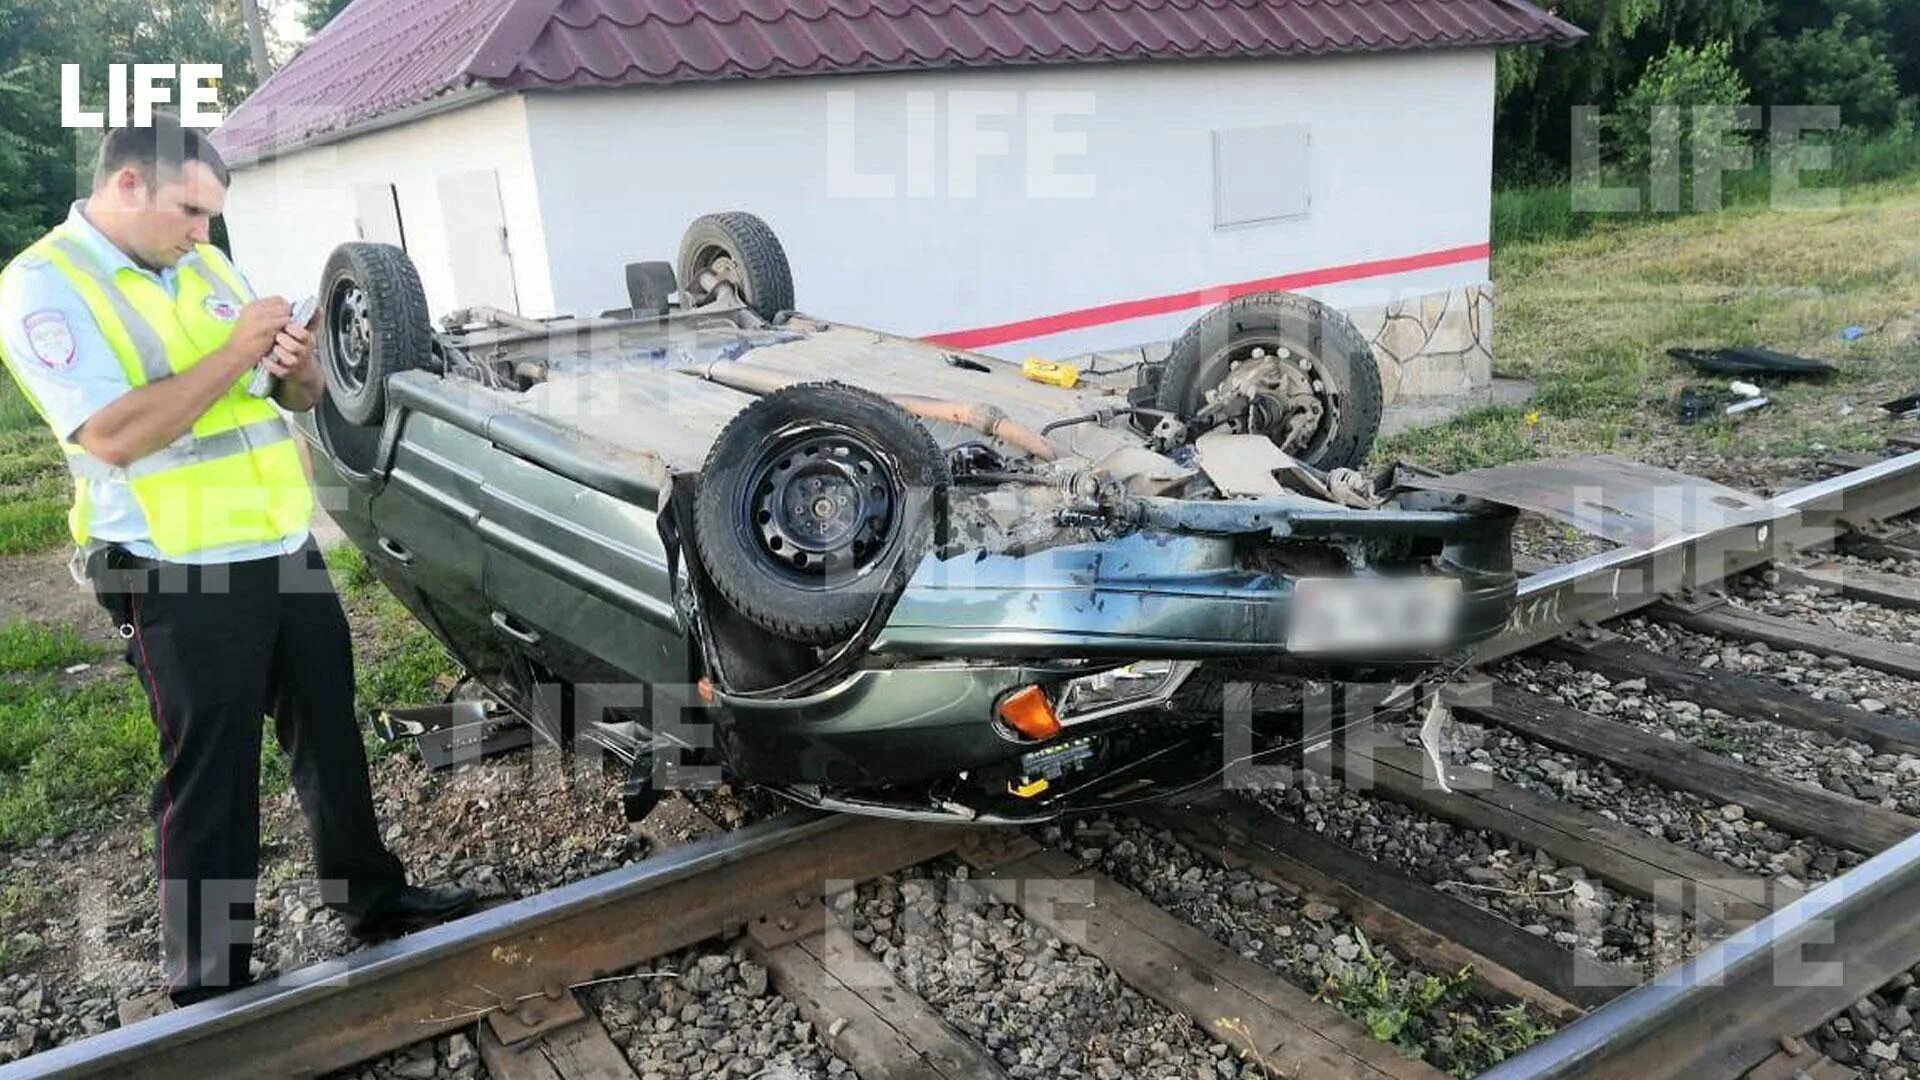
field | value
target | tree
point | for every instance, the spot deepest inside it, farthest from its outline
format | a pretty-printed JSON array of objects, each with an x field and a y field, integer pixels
[
  {"x": 1680, "y": 80},
  {"x": 321, "y": 12},
  {"x": 36, "y": 180},
  {"x": 1832, "y": 65},
  {"x": 1862, "y": 55},
  {"x": 44, "y": 167}
]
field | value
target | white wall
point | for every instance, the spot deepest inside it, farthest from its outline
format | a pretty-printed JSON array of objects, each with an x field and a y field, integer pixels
[
  {"x": 286, "y": 216},
  {"x": 1400, "y": 165}
]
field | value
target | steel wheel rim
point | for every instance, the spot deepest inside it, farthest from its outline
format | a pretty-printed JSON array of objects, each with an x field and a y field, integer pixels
[
  {"x": 350, "y": 333},
  {"x": 820, "y": 508},
  {"x": 1302, "y": 367}
]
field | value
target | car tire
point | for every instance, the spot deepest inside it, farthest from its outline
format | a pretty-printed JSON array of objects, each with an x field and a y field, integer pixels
[
  {"x": 759, "y": 267},
  {"x": 814, "y": 505},
  {"x": 374, "y": 324},
  {"x": 1340, "y": 356}
]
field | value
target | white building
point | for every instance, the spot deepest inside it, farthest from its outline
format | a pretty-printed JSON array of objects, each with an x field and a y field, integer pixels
[{"x": 1026, "y": 177}]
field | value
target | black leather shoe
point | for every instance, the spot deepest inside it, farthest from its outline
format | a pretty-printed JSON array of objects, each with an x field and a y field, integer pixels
[{"x": 414, "y": 907}]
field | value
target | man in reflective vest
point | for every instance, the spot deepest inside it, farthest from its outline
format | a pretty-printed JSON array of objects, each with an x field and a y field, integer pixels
[{"x": 134, "y": 338}]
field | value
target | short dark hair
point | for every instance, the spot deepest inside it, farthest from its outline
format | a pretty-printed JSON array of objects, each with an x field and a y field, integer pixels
[{"x": 160, "y": 151}]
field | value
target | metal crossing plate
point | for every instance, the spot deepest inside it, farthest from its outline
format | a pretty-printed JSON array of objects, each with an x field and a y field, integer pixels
[{"x": 1631, "y": 504}]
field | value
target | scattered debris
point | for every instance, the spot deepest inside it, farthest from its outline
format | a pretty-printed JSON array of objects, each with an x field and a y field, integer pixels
[
  {"x": 1749, "y": 360},
  {"x": 1697, "y": 403},
  {"x": 1906, "y": 408},
  {"x": 1752, "y": 398}
]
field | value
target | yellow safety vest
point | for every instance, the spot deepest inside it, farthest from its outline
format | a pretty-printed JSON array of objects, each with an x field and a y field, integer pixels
[{"x": 236, "y": 477}]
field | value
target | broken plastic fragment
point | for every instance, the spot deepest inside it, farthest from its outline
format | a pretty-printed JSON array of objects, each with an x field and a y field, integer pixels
[
  {"x": 1437, "y": 716},
  {"x": 1746, "y": 360}
]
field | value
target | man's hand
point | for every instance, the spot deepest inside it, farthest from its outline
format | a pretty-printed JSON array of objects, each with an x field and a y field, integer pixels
[
  {"x": 258, "y": 327},
  {"x": 301, "y": 380}
]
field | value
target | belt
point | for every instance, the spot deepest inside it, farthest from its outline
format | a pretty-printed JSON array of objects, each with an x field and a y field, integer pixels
[{"x": 109, "y": 557}]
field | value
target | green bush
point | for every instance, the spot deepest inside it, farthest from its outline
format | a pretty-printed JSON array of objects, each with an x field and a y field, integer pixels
[
  {"x": 1686, "y": 78},
  {"x": 1832, "y": 65}
]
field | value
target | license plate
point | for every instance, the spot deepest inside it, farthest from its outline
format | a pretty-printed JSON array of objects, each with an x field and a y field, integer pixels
[{"x": 1372, "y": 615}]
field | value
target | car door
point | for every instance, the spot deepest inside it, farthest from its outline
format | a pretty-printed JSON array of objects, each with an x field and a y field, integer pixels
[
  {"x": 576, "y": 576},
  {"x": 425, "y": 521}
]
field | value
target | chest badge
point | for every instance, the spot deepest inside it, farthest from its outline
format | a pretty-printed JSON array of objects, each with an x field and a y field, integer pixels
[{"x": 222, "y": 309}]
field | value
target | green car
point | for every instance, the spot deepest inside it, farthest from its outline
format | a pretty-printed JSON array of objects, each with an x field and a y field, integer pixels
[{"x": 878, "y": 575}]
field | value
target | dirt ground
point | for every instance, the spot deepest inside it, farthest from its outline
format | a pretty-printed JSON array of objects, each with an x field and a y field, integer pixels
[{"x": 39, "y": 589}]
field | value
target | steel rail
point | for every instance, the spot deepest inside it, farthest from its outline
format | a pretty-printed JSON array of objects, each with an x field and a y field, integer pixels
[
  {"x": 1722, "y": 1012},
  {"x": 368, "y": 1003},
  {"x": 1619, "y": 582},
  {"x": 1730, "y": 1007}
]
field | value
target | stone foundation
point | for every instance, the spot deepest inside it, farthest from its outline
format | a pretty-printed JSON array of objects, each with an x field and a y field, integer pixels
[{"x": 1437, "y": 346}]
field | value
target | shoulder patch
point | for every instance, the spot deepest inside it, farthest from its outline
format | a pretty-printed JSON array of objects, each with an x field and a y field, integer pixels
[
  {"x": 51, "y": 338},
  {"x": 30, "y": 261}
]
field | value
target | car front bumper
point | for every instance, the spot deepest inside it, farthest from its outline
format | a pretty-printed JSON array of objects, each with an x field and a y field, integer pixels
[{"x": 970, "y": 629}]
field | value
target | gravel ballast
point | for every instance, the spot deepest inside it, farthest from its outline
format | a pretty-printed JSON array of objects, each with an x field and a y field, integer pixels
[
  {"x": 1042, "y": 1007},
  {"x": 1525, "y": 886},
  {"x": 78, "y": 915},
  {"x": 715, "y": 1016},
  {"x": 1307, "y": 941}
]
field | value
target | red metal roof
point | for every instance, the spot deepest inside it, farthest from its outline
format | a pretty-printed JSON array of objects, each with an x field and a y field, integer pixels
[{"x": 381, "y": 55}]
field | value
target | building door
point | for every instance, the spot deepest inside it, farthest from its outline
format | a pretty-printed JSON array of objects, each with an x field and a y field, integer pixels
[
  {"x": 477, "y": 247},
  {"x": 376, "y": 215}
]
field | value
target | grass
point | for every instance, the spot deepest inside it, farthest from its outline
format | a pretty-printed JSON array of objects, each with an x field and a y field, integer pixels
[
  {"x": 34, "y": 489},
  {"x": 21, "y": 900},
  {"x": 1589, "y": 320},
  {"x": 401, "y": 663},
  {"x": 74, "y": 749},
  {"x": 1400, "y": 1005},
  {"x": 1536, "y": 214},
  {"x": 27, "y": 647},
  {"x": 68, "y": 750}
]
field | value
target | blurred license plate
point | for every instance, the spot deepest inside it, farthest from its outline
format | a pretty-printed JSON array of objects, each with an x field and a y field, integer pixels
[{"x": 1361, "y": 615}]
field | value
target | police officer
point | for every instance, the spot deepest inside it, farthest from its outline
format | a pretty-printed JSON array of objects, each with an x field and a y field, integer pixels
[{"x": 134, "y": 338}]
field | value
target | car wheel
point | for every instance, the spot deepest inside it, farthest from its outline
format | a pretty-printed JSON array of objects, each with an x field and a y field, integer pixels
[
  {"x": 815, "y": 504},
  {"x": 374, "y": 323},
  {"x": 1314, "y": 388},
  {"x": 736, "y": 251}
]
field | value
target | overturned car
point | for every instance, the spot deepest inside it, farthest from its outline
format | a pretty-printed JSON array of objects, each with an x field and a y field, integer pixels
[{"x": 875, "y": 574}]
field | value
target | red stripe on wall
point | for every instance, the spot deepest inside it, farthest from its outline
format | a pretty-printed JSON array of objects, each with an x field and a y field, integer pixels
[{"x": 1217, "y": 294}]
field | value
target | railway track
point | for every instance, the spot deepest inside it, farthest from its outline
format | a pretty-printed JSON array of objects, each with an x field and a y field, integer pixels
[{"x": 1785, "y": 957}]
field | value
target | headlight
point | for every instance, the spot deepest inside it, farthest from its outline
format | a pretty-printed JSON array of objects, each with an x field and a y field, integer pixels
[{"x": 1140, "y": 685}]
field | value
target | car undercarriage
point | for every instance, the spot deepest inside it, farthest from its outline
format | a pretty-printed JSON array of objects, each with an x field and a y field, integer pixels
[{"x": 879, "y": 575}]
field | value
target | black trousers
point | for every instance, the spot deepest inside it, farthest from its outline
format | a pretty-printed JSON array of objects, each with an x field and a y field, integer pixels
[{"x": 218, "y": 648}]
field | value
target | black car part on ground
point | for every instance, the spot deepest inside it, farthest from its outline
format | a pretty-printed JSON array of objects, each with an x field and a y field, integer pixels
[
  {"x": 1694, "y": 404},
  {"x": 1325, "y": 407},
  {"x": 1750, "y": 361},
  {"x": 1905, "y": 407}
]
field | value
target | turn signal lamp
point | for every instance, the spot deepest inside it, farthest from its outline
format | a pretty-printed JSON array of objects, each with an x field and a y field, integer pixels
[{"x": 1028, "y": 712}]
